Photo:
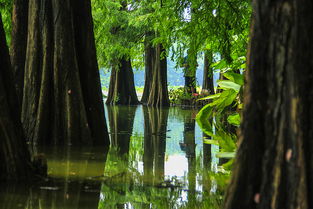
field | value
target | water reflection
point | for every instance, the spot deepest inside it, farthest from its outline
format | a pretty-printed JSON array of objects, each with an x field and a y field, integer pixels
[
  {"x": 157, "y": 159},
  {"x": 73, "y": 182},
  {"x": 166, "y": 166}
]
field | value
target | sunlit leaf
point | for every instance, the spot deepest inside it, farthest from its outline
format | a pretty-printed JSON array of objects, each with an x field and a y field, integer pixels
[
  {"x": 210, "y": 141},
  {"x": 226, "y": 98},
  {"x": 234, "y": 119},
  {"x": 235, "y": 77},
  {"x": 226, "y": 84},
  {"x": 203, "y": 119},
  {"x": 228, "y": 155},
  {"x": 211, "y": 96}
]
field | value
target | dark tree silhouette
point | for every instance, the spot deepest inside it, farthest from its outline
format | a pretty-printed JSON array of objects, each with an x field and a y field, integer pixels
[
  {"x": 62, "y": 100},
  {"x": 274, "y": 166},
  {"x": 15, "y": 158}
]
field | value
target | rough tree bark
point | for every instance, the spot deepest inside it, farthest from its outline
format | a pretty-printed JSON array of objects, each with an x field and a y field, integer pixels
[
  {"x": 207, "y": 86},
  {"x": 15, "y": 158},
  {"x": 122, "y": 87},
  {"x": 19, "y": 44},
  {"x": 274, "y": 163},
  {"x": 159, "y": 93},
  {"x": 149, "y": 63},
  {"x": 62, "y": 94}
]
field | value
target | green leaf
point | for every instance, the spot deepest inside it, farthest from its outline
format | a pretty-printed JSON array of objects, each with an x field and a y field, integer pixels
[
  {"x": 228, "y": 155},
  {"x": 234, "y": 119},
  {"x": 225, "y": 84},
  {"x": 210, "y": 141},
  {"x": 235, "y": 77},
  {"x": 226, "y": 98},
  {"x": 203, "y": 119},
  {"x": 225, "y": 140},
  {"x": 211, "y": 96},
  {"x": 220, "y": 64}
]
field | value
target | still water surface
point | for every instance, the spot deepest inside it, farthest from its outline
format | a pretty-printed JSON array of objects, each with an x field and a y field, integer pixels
[{"x": 157, "y": 159}]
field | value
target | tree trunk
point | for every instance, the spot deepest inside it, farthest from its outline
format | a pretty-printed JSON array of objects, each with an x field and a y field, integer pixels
[
  {"x": 207, "y": 86},
  {"x": 19, "y": 44},
  {"x": 190, "y": 73},
  {"x": 149, "y": 63},
  {"x": 62, "y": 96},
  {"x": 15, "y": 158},
  {"x": 274, "y": 164},
  {"x": 122, "y": 87},
  {"x": 159, "y": 94}
]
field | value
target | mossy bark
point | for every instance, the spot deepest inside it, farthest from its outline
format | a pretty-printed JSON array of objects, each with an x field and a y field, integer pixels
[
  {"x": 159, "y": 93},
  {"x": 274, "y": 163},
  {"x": 15, "y": 158},
  {"x": 62, "y": 100},
  {"x": 122, "y": 87}
]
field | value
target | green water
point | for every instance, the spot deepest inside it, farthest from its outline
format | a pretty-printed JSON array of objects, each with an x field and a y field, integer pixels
[{"x": 157, "y": 159}]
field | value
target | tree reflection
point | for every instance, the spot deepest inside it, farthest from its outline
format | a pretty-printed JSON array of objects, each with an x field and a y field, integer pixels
[{"x": 154, "y": 142}]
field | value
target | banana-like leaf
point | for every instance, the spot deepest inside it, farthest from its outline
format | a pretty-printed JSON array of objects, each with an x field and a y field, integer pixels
[{"x": 227, "y": 84}]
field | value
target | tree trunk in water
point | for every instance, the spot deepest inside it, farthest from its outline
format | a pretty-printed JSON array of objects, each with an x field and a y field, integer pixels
[
  {"x": 121, "y": 126},
  {"x": 149, "y": 63},
  {"x": 159, "y": 94},
  {"x": 122, "y": 87},
  {"x": 274, "y": 163},
  {"x": 62, "y": 95},
  {"x": 148, "y": 156},
  {"x": 207, "y": 86},
  {"x": 15, "y": 158},
  {"x": 155, "y": 140},
  {"x": 19, "y": 44},
  {"x": 190, "y": 150}
]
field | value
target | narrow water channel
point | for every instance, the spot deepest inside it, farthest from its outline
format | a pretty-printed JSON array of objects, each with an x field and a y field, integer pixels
[{"x": 157, "y": 159}]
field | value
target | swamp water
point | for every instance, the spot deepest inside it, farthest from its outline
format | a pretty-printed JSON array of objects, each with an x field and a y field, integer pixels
[{"x": 157, "y": 159}]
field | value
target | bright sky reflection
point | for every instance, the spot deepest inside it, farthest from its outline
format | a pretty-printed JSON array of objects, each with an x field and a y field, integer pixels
[{"x": 176, "y": 165}]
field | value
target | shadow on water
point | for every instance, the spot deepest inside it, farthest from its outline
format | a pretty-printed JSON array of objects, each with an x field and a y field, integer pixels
[{"x": 157, "y": 159}]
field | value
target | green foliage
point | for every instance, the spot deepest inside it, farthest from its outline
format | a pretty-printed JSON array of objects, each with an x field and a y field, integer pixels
[
  {"x": 223, "y": 105},
  {"x": 194, "y": 25},
  {"x": 234, "y": 119},
  {"x": 116, "y": 37},
  {"x": 176, "y": 95},
  {"x": 6, "y": 13}
]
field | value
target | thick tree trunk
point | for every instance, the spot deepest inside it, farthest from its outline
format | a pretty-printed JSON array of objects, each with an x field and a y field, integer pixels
[
  {"x": 207, "y": 86},
  {"x": 149, "y": 63},
  {"x": 62, "y": 93},
  {"x": 19, "y": 44},
  {"x": 15, "y": 158},
  {"x": 274, "y": 163},
  {"x": 122, "y": 87},
  {"x": 159, "y": 93}
]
